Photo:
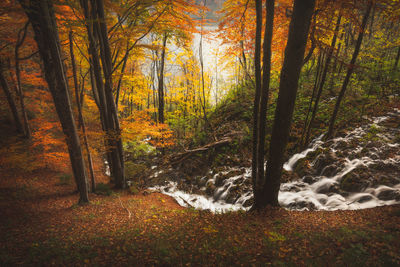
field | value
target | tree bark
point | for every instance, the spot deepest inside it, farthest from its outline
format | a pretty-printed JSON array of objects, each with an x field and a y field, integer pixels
[
  {"x": 96, "y": 28},
  {"x": 349, "y": 71},
  {"x": 256, "y": 106},
  {"x": 396, "y": 62},
  {"x": 323, "y": 78},
  {"x": 41, "y": 15},
  {"x": 80, "y": 115},
  {"x": 293, "y": 61},
  {"x": 317, "y": 78},
  {"x": 10, "y": 99},
  {"x": 161, "y": 81},
  {"x": 20, "y": 41},
  {"x": 263, "y": 104},
  {"x": 115, "y": 131}
]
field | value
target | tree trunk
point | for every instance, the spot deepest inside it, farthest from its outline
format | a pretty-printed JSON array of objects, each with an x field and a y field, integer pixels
[
  {"x": 316, "y": 82},
  {"x": 96, "y": 27},
  {"x": 20, "y": 41},
  {"x": 256, "y": 106},
  {"x": 161, "y": 81},
  {"x": 41, "y": 15},
  {"x": 293, "y": 61},
  {"x": 263, "y": 104},
  {"x": 396, "y": 62},
  {"x": 10, "y": 99},
  {"x": 115, "y": 131},
  {"x": 80, "y": 115},
  {"x": 323, "y": 78},
  {"x": 349, "y": 71}
]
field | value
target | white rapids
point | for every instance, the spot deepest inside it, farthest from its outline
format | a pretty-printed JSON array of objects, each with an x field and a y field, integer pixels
[{"x": 319, "y": 191}]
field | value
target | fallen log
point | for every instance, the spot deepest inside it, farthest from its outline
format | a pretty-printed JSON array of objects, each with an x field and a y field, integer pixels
[{"x": 184, "y": 155}]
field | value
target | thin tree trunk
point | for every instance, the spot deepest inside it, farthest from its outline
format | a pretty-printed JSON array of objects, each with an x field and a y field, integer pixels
[
  {"x": 10, "y": 99},
  {"x": 256, "y": 105},
  {"x": 349, "y": 71},
  {"x": 396, "y": 62},
  {"x": 203, "y": 104},
  {"x": 323, "y": 78},
  {"x": 161, "y": 81},
  {"x": 125, "y": 60},
  {"x": 80, "y": 115},
  {"x": 269, "y": 25},
  {"x": 20, "y": 41},
  {"x": 293, "y": 61},
  {"x": 41, "y": 15},
  {"x": 317, "y": 78}
]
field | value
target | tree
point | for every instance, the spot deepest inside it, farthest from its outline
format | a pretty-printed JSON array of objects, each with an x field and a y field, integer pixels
[
  {"x": 161, "y": 80},
  {"x": 263, "y": 101},
  {"x": 97, "y": 31},
  {"x": 256, "y": 105},
  {"x": 42, "y": 17},
  {"x": 289, "y": 78},
  {"x": 349, "y": 70},
  {"x": 10, "y": 99}
]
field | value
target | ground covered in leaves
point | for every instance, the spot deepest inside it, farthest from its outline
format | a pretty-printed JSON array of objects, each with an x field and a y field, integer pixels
[{"x": 41, "y": 224}]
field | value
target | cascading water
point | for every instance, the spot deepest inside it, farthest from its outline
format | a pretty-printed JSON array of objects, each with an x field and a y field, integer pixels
[{"x": 357, "y": 171}]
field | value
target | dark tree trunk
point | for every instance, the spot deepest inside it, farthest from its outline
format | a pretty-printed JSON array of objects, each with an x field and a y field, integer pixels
[
  {"x": 97, "y": 30},
  {"x": 263, "y": 104},
  {"x": 256, "y": 106},
  {"x": 316, "y": 82},
  {"x": 20, "y": 41},
  {"x": 80, "y": 115},
  {"x": 41, "y": 15},
  {"x": 10, "y": 99},
  {"x": 293, "y": 61},
  {"x": 349, "y": 71},
  {"x": 396, "y": 62},
  {"x": 114, "y": 130},
  {"x": 323, "y": 78},
  {"x": 161, "y": 82},
  {"x": 125, "y": 60}
]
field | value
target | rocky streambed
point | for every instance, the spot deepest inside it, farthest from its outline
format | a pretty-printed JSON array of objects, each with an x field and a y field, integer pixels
[{"x": 358, "y": 170}]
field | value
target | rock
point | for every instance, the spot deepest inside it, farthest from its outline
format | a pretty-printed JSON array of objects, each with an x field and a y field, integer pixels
[
  {"x": 331, "y": 170},
  {"x": 389, "y": 194},
  {"x": 210, "y": 188},
  {"x": 356, "y": 180},
  {"x": 328, "y": 188},
  {"x": 387, "y": 180},
  {"x": 248, "y": 203},
  {"x": 299, "y": 205},
  {"x": 365, "y": 198},
  {"x": 302, "y": 167},
  {"x": 310, "y": 179},
  {"x": 324, "y": 160},
  {"x": 288, "y": 176}
]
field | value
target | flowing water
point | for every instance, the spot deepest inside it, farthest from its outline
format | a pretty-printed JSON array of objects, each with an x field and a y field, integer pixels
[{"x": 357, "y": 171}]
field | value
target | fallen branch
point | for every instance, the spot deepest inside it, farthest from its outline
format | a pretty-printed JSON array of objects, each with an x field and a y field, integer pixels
[
  {"x": 187, "y": 203},
  {"x": 181, "y": 156},
  {"x": 129, "y": 213}
]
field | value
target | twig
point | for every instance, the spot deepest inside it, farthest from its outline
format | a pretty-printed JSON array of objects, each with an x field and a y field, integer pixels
[
  {"x": 124, "y": 207},
  {"x": 187, "y": 203}
]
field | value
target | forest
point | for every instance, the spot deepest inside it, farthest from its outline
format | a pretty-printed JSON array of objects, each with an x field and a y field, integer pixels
[{"x": 195, "y": 132}]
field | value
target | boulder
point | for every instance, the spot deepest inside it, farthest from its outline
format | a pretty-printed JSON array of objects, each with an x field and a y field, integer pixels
[
  {"x": 389, "y": 194},
  {"x": 356, "y": 180}
]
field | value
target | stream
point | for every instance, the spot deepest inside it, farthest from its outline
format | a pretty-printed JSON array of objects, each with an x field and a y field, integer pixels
[{"x": 357, "y": 171}]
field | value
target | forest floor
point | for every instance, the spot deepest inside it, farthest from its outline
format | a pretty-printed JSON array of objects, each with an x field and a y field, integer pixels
[{"x": 41, "y": 224}]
